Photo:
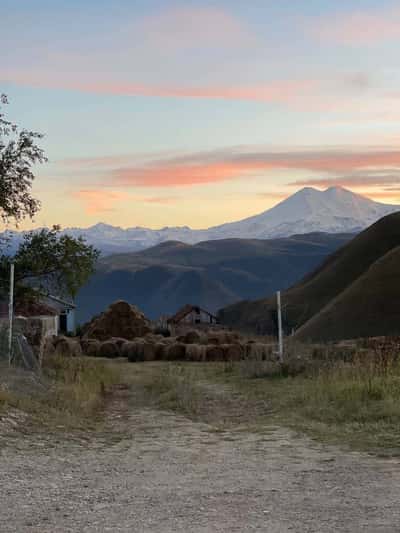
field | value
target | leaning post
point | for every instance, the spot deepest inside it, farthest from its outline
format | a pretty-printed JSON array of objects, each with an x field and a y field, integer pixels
[{"x": 280, "y": 333}]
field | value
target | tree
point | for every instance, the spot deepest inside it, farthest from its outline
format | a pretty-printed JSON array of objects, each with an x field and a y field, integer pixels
[
  {"x": 18, "y": 153},
  {"x": 49, "y": 262}
]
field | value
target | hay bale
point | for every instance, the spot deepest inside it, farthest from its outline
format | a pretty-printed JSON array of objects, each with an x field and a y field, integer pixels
[
  {"x": 128, "y": 350},
  {"x": 92, "y": 349},
  {"x": 196, "y": 352},
  {"x": 134, "y": 351},
  {"x": 109, "y": 349},
  {"x": 214, "y": 352},
  {"x": 176, "y": 352},
  {"x": 149, "y": 351},
  {"x": 153, "y": 337},
  {"x": 193, "y": 337},
  {"x": 67, "y": 347},
  {"x": 259, "y": 351},
  {"x": 119, "y": 341},
  {"x": 120, "y": 320},
  {"x": 160, "y": 351},
  {"x": 232, "y": 352},
  {"x": 223, "y": 337}
]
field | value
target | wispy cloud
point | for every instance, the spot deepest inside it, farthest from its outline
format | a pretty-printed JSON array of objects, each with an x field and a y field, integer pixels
[
  {"x": 282, "y": 92},
  {"x": 362, "y": 178},
  {"x": 342, "y": 166},
  {"x": 361, "y": 27},
  {"x": 194, "y": 27},
  {"x": 99, "y": 201},
  {"x": 102, "y": 200},
  {"x": 162, "y": 200}
]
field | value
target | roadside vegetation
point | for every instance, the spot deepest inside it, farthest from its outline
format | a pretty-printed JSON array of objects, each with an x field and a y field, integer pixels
[
  {"x": 344, "y": 396},
  {"x": 348, "y": 395},
  {"x": 69, "y": 394}
]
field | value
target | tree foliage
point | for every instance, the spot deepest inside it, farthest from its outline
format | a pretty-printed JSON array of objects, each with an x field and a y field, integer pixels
[
  {"x": 18, "y": 154},
  {"x": 49, "y": 262}
]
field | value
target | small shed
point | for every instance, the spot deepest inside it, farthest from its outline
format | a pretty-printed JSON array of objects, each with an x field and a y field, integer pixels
[
  {"x": 192, "y": 314},
  {"x": 64, "y": 310},
  {"x": 56, "y": 314}
]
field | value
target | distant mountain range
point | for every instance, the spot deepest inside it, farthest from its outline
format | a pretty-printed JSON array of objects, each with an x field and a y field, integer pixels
[
  {"x": 335, "y": 210},
  {"x": 354, "y": 293},
  {"x": 211, "y": 274}
]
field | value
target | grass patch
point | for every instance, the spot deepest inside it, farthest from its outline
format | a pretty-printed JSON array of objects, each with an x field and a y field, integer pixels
[
  {"x": 350, "y": 402},
  {"x": 173, "y": 387},
  {"x": 342, "y": 399},
  {"x": 70, "y": 393}
]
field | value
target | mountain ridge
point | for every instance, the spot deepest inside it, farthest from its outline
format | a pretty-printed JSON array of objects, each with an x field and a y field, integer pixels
[
  {"x": 211, "y": 274},
  {"x": 334, "y": 210}
]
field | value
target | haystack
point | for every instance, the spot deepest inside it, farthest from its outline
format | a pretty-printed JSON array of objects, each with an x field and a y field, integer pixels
[
  {"x": 90, "y": 347},
  {"x": 66, "y": 347},
  {"x": 176, "y": 352},
  {"x": 119, "y": 320},
  {"x": 259, "y": 352},
  {"x": 109, "y": 349},
  {"x": 191, "y": 337},
  {"x": 223, "y": 337},
  {"x": 214, "y": 353},
  {"x": 196, "y": 352},
  {"x": 232, "y": 352}
]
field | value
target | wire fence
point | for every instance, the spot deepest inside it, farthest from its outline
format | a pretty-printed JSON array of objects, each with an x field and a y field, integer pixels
[{"x": 22, "y": 354}]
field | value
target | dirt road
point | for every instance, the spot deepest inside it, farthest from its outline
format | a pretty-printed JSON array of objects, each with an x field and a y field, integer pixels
[{"x": 155, "y": 472}]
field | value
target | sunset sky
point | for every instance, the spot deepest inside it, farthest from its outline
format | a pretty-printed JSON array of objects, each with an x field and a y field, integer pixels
[{"x": 196, "y": 113}]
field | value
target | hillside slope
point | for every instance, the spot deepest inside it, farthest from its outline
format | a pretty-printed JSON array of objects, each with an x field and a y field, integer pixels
[
  {"x": 307, "y": 298},
  {"x": 210, "y": 274},
  {"x": 369, "y": 307}
]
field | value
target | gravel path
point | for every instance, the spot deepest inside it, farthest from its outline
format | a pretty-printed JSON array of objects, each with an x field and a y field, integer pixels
[{"x": 165, "y": 473}]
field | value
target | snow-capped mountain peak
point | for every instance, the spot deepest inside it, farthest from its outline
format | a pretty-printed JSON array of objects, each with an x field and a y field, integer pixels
[{"x": 334, "y": 210}]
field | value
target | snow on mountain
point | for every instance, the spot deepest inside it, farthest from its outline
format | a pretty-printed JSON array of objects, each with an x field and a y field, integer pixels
[{"x": 335, "y": 210}]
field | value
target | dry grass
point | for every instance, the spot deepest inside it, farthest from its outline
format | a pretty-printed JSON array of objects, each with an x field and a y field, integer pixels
[
  {"x": 336, "y": 395},
  {"x": 69, "y": 394}
]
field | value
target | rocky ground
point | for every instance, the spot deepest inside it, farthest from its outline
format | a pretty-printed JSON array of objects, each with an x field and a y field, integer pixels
[{"x": 150, "y": 471}]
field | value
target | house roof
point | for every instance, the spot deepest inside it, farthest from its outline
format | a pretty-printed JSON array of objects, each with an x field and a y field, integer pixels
[
  {"x": 186, "y": 310},
  {"x": 28, "y": 309},
  {"x": 60, "y": 301}
]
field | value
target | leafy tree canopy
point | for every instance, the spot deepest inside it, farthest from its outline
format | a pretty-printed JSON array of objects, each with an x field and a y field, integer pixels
[
  {"x": 49, "y": 262},
  {"x": 18, "y": 154}
]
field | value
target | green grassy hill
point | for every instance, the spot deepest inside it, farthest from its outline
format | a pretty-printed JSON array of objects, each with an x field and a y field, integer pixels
[
  {"x": 369, "y": 307},
  {"x": 307, "y": 298}
]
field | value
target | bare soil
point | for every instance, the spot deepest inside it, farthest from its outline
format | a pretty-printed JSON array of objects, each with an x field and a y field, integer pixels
[{"x": 154, "y": 471}]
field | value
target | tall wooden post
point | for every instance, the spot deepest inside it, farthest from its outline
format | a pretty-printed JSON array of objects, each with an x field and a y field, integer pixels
[
  {"x": 11, "y": 314},
  {"x": 280, "y": 333}
]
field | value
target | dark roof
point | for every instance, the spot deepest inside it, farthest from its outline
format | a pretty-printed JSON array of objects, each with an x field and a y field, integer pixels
[
  {"x": 28, "y": 309},
  {"x": 186, "y": 310},
  {"x": 61, "y": 301}
]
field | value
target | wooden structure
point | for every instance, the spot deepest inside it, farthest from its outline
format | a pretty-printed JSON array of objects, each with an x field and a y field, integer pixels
[{"x": 192, "y": 315}]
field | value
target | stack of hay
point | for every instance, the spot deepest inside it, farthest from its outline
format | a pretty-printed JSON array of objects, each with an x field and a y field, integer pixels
[{"x": 120, "y": 320}]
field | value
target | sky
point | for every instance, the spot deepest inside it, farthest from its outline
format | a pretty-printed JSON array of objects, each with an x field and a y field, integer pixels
[{"x": 196, "y": 113}]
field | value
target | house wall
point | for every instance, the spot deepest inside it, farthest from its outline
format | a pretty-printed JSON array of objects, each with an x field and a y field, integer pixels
[
  {"x": 70, "y": 320},
  {"x": 196, "y": 318}
]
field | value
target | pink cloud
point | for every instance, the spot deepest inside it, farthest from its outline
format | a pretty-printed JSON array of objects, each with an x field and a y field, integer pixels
[
  {"x": 283, "y": 92},
  {"x": 360, "y": 27},
  {"x": 161, "y": 200},
  {"x": 194, "y": 27},
  {"x": 98, "y": 201},
  {"x": 225, "y": 165}
]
